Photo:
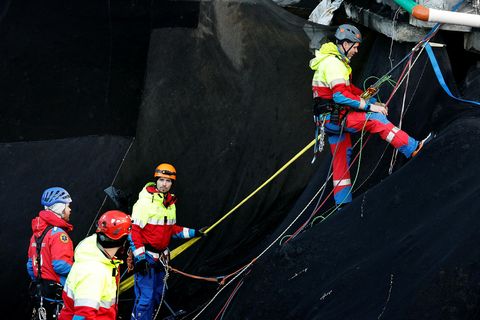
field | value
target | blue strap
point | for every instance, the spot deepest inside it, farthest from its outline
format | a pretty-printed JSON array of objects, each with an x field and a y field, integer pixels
[{"x": 440, "y": 78}]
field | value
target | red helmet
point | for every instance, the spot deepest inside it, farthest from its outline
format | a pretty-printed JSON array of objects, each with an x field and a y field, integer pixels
[
  {"x": 165, "y": 170},
  {"x": 114, "y": 224}
]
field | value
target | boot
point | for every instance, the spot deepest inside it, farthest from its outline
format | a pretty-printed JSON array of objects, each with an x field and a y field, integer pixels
[{"x": 422, "y": 143}]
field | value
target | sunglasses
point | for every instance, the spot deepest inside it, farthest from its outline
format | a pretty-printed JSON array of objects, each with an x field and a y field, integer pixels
[{"x": 168, "y": 173}]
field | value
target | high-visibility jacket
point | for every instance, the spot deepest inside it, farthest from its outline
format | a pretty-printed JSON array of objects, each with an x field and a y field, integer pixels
[
  {"x": 332, "y": 78},
  {"x": 90, "y": 292},
  {"x": 56, "y": 255},
  {"x": 154, "y": 223}
]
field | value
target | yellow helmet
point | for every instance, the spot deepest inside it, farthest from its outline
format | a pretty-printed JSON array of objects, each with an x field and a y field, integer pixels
[{"x": 165, "y": 170}]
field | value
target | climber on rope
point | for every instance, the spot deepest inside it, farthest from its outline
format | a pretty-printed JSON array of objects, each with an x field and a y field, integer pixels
[
  {"x": 50, "y": 253},
  {"x": 154, "y": 224},
  {"x": 339, "y": 110}
]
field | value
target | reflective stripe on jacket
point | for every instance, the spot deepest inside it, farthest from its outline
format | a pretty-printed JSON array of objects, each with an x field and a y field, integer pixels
[
  {"x": 90, "y": 291},
  {"x": 154, "y": 223}
]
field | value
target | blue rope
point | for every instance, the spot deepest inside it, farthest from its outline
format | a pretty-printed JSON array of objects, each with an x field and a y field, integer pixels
[{"x": 440, "y": 78}]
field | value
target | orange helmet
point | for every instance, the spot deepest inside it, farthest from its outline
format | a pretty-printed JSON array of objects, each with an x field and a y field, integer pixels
[
  {"x": 114, "y": 224},
  {"x": 166, "y": 170}
]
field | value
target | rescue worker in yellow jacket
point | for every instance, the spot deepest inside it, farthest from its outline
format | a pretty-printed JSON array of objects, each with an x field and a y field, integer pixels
[
  {"x": 154, "y": 224},
  {"x": 339, "y": 105},
  {"x": 90, "y": 291}
]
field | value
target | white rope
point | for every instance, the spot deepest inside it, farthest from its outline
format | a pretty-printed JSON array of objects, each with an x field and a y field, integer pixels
[
  {"x": 288, "y": 227},
  {"x": 395, "y": 17},
  {"x": 407, "y": 76},
  {"x": 402, "y": 112},
  {"x": 266, "y": 249},
  {"x": 165, "y": 266},
  {"x": 113, "y": 181}
]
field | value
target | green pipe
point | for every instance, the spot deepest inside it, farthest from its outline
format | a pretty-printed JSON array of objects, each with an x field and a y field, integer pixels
[{"x": 406, "y": 4}]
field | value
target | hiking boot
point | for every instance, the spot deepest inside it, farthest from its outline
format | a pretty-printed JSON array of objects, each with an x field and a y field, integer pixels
[{"x": 422, "y": 143}]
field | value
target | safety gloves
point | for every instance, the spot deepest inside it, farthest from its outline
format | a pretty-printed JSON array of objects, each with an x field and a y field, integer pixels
[
  {"x": 141, "y": 266},
  {"x": 201, "y": 232}
]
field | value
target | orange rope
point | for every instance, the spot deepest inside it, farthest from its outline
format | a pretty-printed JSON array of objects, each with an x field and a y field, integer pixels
[
  {"x": 220, "y": 280},
  {"x": 211, "y": 279}
]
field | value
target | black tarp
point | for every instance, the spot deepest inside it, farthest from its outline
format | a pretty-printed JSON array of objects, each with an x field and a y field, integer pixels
[{"x": 84, "y": 166}]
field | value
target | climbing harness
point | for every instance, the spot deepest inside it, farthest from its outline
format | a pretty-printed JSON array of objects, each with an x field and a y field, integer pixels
[
  {"x": 321, "y": 110},
  {"x": 38, "y": 287},
  {"x": 319, "y": 135}
]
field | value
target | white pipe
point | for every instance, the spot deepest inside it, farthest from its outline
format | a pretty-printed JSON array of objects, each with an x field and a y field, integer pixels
[{"x": 458, "y": 18}]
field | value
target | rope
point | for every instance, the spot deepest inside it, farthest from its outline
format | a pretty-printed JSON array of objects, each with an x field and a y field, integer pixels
[
  {"x": 334, "y": 208},
  {"x": 326, "y": 198},
  {"x": 441, "y": 80},
  {"x": 186, "y": 245},
  {"x": 189, "y": 275},
  {"x": 331, "y": 164},
  {"x": 317, "y": 207},
  {"x": 230, "y": 298},
  {"x": 165, "y": 266},
  {"x": 128, "y": 283},
  {"x": 394, "y": 24},
  {"x": 282, "y": 235},
  {"x": 113, "y": 181},
  {"x": 243, "y": 269},
  {"x": 395, "y": 152}
]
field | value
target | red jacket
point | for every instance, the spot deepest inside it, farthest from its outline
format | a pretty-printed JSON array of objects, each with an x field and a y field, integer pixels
[
  {"x": 154, "y": 223},
  {"x": 57, "y": 248}
]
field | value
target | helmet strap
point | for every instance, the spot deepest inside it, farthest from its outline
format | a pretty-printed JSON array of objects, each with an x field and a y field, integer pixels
[
  {"x": 57, "y": 208},
  {"x": 106, "y": 242},
  {"x": 345, "y": 52}
]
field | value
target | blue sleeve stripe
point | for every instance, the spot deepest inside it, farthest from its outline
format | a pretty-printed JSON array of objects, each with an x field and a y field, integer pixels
[
  {"x": 30, "y": 268},
  {"x": 56, "y": 230},
  {"x": 61, "y": 267},
  {"x": 185, "y": 234},
  {"x": 341, "y": 99}
]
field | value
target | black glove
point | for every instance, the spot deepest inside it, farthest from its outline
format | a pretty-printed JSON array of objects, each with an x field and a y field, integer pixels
[
  {"x": 141, "y": 267},
  {"x": 201, "y": 232},
  {"x": 322, "y": 106},
  {"x": 317, "y": 109}
]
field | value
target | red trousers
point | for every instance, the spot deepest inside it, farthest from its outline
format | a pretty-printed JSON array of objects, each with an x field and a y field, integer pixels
[{"x": 341, "y": 145}]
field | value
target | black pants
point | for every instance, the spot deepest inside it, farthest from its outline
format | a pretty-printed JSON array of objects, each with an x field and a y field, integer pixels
[{"x": 46, "y": 294}]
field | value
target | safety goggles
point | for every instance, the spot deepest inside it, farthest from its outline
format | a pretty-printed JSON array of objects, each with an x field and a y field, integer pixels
[{"x": 166, "y": 172}]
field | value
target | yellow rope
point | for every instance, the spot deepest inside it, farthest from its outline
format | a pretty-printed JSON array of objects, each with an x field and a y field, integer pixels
[{"x": 128, "y": 283}]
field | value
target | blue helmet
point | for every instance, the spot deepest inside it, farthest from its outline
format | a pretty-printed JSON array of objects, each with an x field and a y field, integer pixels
[
  {"x": 349, "y": 33},
  {"x": 55, "y": 195}
]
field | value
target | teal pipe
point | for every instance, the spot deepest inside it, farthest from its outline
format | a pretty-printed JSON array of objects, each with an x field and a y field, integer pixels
[{"x": 406, "y": 4}]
